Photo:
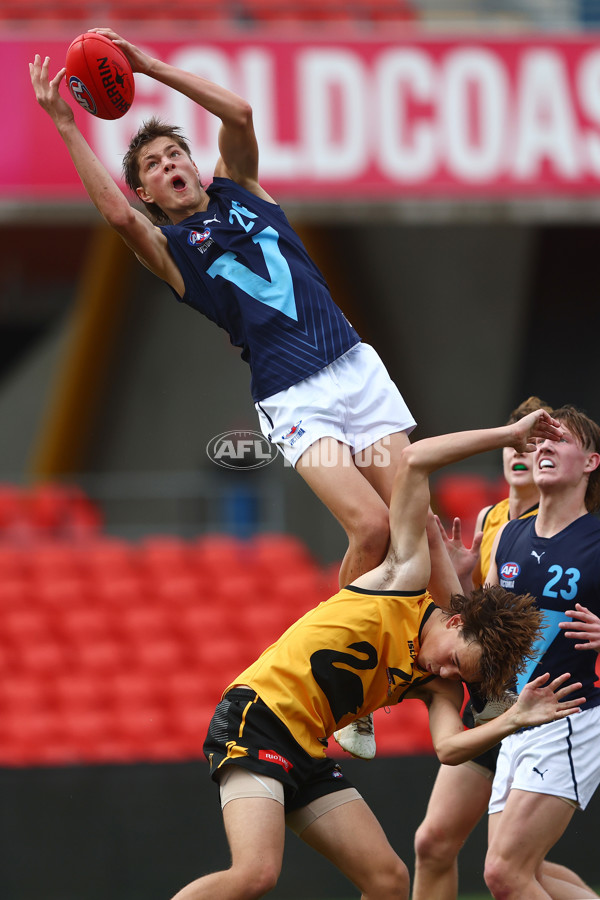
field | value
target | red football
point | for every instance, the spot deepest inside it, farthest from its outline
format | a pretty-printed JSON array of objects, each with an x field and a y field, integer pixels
[{"x": 99, "y": 76}]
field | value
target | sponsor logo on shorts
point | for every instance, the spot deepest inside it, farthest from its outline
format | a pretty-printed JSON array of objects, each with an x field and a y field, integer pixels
[
  {"x": 337, "y": 773},
  {"x": 240, "y": 450},
  {"x": 277, "y": 758},
  {"x": 294, "y": 434}
]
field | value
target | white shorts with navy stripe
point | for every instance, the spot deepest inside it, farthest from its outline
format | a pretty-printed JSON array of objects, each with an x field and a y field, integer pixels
[
  {"x": 353, "y": 400},
  {"x": 560, "y": 759}
]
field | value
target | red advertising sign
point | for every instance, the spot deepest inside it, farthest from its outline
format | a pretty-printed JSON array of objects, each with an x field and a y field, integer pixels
[{"x": 349, "y": 119}]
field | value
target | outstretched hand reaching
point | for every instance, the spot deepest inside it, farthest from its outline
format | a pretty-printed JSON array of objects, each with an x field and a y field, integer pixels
[
  {"x": 541, "y": 701},
  {"x": 586, "y": 627}
]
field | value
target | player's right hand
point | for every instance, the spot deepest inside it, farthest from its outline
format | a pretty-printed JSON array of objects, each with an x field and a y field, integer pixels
[{"x": 47, "y": 90}]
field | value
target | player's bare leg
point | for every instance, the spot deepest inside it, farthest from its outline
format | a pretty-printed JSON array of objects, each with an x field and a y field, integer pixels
[
  {"x": 357, "y": 490},
  {"x": 459, "y": 799},
  {"x": 353, "y": 840},
  {"x": 255, "y": 830},
  {"x": 562, "y": 883},
  {"x": 520, "y": 837}
]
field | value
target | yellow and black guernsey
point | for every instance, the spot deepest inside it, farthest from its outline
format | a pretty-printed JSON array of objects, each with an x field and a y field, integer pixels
[
  {"x": 496, "y": 516},
  {"x": 347, "y": 657}
]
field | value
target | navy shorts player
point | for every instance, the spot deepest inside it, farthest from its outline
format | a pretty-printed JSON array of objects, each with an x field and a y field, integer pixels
[{"x": 545, "y": 773}]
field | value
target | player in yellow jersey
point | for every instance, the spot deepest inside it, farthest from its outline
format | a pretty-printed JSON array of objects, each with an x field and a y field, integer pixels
[
  {"x": 461, "y": 794},
  {"x": 376, "y": 642}
]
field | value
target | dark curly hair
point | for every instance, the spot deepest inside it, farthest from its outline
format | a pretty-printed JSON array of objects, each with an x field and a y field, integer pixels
[
  {"x": 506, "y": 626},
  {"x": 527, "y": 406},
  {"x": 150, "y": 130}
]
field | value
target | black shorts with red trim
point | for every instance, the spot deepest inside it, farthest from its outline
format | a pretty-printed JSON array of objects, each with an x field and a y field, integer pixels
[{"x": 244, "y": 732}]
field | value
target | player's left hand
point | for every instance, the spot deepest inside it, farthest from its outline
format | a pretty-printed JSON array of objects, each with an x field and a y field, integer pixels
[
  {"x": 537, "y": 426},
  {"x": 139, "y": 61},
  {"x": 541, "y": 701},
  {"x": 463, "y": 558},
  {"x": 46, "y": 90},
  {"x": 586, "y": 627}
]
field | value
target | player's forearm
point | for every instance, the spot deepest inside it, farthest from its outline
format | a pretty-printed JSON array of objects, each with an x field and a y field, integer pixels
[
  {"x": 103, "y": 191},
  {"x": 457, "y": 748},
  {"x": 434, "y": 453},
  {"x": 229, "y": 107}
]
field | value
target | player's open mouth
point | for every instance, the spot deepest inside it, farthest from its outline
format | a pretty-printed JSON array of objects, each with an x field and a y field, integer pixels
[
  {"x": 546, "y": 464},
  {"x": 178, "y": 184},
  {"x": 519, "y": 467}
]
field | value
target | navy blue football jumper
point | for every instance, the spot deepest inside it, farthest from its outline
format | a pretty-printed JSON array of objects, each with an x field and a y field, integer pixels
[
  {"x": 559, "y": 571},
  {"x": 246, "y": 269}
]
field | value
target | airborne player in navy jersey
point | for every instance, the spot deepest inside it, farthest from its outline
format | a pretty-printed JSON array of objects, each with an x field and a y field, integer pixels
[{"x": 322, "y": 395}]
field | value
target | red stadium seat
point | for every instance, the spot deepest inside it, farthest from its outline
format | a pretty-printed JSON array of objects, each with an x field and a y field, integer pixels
[
  {"x": 133, "y": 688},
  {"x": 176, "y": 588},
  {"x": 23, "y": 691},
  {"x": 15, "y": 592},
  {"x": 119, "y": 590},
  {"x": 157, "y": 654},
  {"x": 58, "y": 591},
  {"x": 105, "y": 655},
  {"x": 14, "y": 560},
  {"x": 13, "y": 514},
  {"x": 23, "y": 733},
  {"x": 54, "y": 558},
  {"x": 108, "y": 555},
  {"x": 217, "y": 554},
  {"x": 84, "y": 624},
  {"x": 78, "y": 690},
  {"x": 462, "y": 495},
  {"x": 24, "y": 625},
  {"x": 137, "y": 623}
]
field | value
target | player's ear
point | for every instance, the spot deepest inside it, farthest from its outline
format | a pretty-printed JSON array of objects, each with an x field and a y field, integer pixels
[
  {"x": 593, "y": 461},
  {"x": 455, "y": 621},
  {"x": 143, "y": 195}
]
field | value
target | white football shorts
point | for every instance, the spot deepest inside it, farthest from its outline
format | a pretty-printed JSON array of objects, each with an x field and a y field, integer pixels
[
  {"x": 560, "y": 759},
  {"x": 353, "y": 400}
]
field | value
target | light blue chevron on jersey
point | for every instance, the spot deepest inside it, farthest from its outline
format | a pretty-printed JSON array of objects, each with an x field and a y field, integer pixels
[
  {"x": 550, "y": 631},
  {"x": 278, "y": 291}
]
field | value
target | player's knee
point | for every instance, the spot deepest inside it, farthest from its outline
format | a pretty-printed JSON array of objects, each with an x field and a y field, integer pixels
[
  {"x": 497, "y": 875},
  {"x": 255, "y": 882},
  {"x": 436, "y": 845},
  {"x": 390, "y": 881},
  {"x": 371, "y": 530},
  {"x": 265, "y": 880}
]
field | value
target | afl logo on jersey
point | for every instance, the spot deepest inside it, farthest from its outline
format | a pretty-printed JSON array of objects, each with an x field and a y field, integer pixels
[
  {"x": 510, "y": 570},
  {"x": 198, "y": 237}
]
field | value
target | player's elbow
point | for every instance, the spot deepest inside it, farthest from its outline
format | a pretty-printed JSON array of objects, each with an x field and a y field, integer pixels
[
  {"x": 448, "y": 754},
  {"x": 242, "y": 115},
  {"x": 121, "y": 217}
]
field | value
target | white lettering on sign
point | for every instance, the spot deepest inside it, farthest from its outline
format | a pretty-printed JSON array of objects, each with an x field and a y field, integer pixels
[
  {"x": 417, "y": 115},
  {"x": 545, "y": 127},
  {"x": 473, "y": 114}
]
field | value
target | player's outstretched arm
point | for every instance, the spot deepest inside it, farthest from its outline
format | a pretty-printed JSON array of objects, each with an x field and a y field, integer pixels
[
  {"x": 103, "y": 191},
  {"x": 407, "y": 563},
  {"x": 134, "y": 227},
  {"x": 238, "y": 146},
  {"x": 539, "y": 702},
  {"x": 585, "y": 628}
]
